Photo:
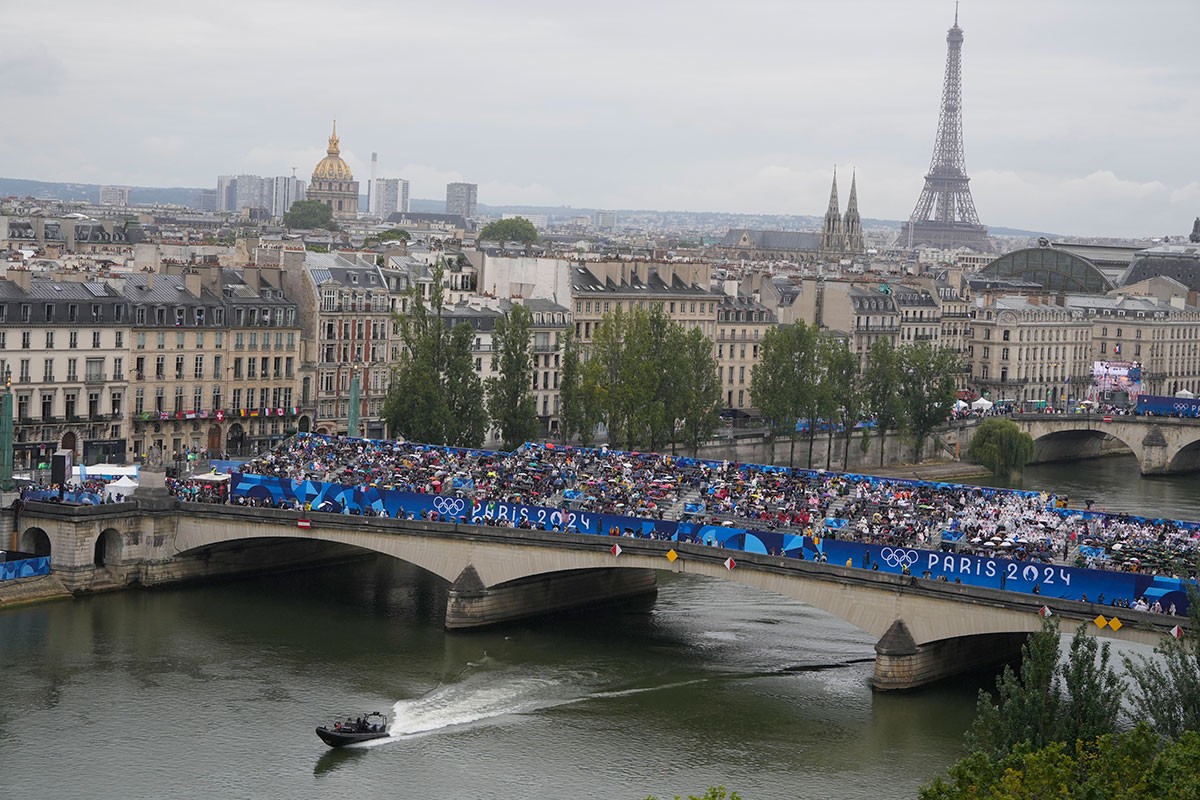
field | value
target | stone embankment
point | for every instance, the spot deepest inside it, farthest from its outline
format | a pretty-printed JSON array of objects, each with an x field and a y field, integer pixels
[{"x": 32, "y": 590}]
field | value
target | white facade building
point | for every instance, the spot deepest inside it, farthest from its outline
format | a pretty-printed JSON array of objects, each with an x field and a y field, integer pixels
[{"x": 388, "y": 196}]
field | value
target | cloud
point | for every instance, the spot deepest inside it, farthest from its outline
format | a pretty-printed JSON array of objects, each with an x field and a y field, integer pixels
[
  {"x": 30, "y": 69},
  {"x": 1078, "y": 116}
]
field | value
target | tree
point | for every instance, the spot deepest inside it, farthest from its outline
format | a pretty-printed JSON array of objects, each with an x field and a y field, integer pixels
[
  {"x": 309, "y": 214},
  {"x": 515, "y": 229},
  {"x": 713, "y": 793},
  {"x": 1167, "y": 689},
  {"x": 634, "y": 376},
  {"x": 579, "y": 407},
  {"x": 1001, "y": 446},
  {"x": 700, "y": 389},
  {"x": 781, "y": 382},
  {"x": 466, "y": 420},
  {"x": 435, "y": 394},
  {"x": 844, "y": 401},
  {"x": 510, "y": 401},
  {"x": 395, "y": 234},
  {"x": 607, "y": 378},
  {"x": 926, "y": 389},
  {"x": 1046, "y": 702},
  {"x": 881, "y": 389},
  {"x": 1133, "y": 765}
]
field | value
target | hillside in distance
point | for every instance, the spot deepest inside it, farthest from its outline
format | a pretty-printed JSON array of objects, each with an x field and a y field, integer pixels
[{"x": 648, "y": 218}]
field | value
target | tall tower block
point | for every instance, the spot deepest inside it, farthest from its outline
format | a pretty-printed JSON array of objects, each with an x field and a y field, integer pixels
[{"x": 945, "y": 213}]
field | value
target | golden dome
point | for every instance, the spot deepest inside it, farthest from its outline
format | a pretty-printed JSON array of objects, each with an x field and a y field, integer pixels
[{"x": 331, "y": 167}]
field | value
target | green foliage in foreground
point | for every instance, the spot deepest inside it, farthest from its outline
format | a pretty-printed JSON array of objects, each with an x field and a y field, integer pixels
[
  {"x": 713, "y": 793},
  {"x": 1053, "y": 730},
  {"x": 1135, "y": 765},
  {"x": 1049, "y": 702}
]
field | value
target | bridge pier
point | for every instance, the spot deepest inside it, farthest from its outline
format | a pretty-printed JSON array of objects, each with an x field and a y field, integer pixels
[
  {"x": 1156, "y": 455},
  {"x": 473, "y": 605},
  {"x": 901, "y": 663}
]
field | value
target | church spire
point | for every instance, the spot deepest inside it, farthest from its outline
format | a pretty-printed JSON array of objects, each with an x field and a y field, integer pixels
[
  {"x": 832, "y": 240},
  {"x": 852, "y": 224},
  {"x": 334, "y": 148}
]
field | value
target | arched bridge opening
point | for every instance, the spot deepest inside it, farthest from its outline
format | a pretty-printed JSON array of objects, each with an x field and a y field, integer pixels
[
  {"x": 1069, "y": 445},
  {"x": 34, "y": 540},
  {"x": 1187, "y": 459}
]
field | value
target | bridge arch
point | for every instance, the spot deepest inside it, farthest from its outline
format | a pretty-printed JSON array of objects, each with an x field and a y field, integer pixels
[
  {"x": 107, "y": 550},
  {"x": 34, "y": 540},
  {"x": 441, "y": 548},
  {"x": 1070, "y": 444},
  {"x": 1187, "y": 459}
]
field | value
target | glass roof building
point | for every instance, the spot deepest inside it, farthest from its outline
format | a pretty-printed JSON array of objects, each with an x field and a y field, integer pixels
[{"x": 1051, "y": 268}]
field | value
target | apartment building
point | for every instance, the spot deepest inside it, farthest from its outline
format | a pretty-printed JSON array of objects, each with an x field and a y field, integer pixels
[
  {"x": 63, "y": 348},
  {"x": 742, "y": 322},
  {"x": 680, "y": 289}
]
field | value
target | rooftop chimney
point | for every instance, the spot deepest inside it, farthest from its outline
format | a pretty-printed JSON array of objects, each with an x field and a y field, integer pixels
[{"x": 21, "y": 277}]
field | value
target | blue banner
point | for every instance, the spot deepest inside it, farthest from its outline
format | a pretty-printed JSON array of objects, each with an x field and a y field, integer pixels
[
  {"x": 1031, "y": 577},
  {"x": 24, "y": 568}
]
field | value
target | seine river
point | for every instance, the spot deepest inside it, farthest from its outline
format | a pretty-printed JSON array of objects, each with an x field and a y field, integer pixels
[{"x": 214, "y": 691}]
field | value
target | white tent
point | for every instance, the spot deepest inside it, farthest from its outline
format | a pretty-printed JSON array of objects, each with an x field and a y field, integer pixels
[
  {"x": 959, "y": 405},
  {"x": 982, "y": 404},
  {"x": 105, "y": 471},
  {"x": 122, "y": 486},
  {"x": 1185, "y": 394}
]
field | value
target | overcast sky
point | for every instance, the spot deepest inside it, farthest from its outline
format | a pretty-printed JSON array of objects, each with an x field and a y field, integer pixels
[{"x": 1080, "y": 116}]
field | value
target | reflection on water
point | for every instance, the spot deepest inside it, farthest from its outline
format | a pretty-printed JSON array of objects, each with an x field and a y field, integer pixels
[{"x": 716, "y": 683}]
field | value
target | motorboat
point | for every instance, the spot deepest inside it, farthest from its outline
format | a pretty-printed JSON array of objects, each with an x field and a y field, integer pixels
[{"x": 355, "y": 729}]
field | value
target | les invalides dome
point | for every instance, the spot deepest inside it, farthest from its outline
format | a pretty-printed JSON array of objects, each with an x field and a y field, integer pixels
[{"x": 333, "y": 183}]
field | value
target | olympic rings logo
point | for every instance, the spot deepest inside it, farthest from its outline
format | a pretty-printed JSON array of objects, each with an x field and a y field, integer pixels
[
  {"x": 449, "y": 506},
  {"x": 899, "y": 557}
]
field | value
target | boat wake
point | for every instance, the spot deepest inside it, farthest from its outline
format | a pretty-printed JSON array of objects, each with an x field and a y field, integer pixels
[
  {"x": 490, "y": 698},
  {"x": 494, "y": 695}
]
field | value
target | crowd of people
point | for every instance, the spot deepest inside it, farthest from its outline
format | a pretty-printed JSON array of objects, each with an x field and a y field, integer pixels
[{"x": 986, "y": 522}]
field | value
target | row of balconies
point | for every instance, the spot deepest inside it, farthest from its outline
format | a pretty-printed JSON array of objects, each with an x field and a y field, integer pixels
[
  {"x": 97, "y": 417},
  {"x": 72, "y": 377},
  {"x": 237, "y": 376}
]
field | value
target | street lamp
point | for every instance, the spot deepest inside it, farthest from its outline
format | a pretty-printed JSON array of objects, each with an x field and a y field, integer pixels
[
  {"x": 355, "y": 394},
  {"x": 6, "y": 433}
]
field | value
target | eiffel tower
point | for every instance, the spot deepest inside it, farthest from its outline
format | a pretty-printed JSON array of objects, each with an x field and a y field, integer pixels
[{"x": 945, "y": 215}]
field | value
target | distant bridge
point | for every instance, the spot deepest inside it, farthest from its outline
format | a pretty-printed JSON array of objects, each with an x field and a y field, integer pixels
[
  {"x": 1162, "y": 445},
  {"x": 927, "y": 629}
]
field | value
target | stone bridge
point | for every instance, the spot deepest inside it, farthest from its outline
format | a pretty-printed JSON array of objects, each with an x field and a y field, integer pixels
[
  {"x": 928, "y": 630},
  {"x": 1162, "y": 445}
]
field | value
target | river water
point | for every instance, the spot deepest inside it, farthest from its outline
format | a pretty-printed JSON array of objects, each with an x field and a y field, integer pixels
[{"x": 214, "y": 691}]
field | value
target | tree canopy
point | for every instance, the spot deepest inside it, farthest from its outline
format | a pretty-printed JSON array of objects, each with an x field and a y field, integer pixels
[
  {"x": 648, "y": 379},
  {"x": 510, "y": 400},
  {"x": 926, "y": 389},
  {"x": 515, "y": 229},
  {"x": 1054, "y": 728},
  {"x": 579, "y": 414},
  {"x": 309, "y": 214},
  {"x": 1001, "y": 446},
  {"x": 881, "y": 389},
  {"x": 783, "y": 383},
  {"x": 435, "y": 394},
  {"x": 395, "y": 234}
]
